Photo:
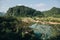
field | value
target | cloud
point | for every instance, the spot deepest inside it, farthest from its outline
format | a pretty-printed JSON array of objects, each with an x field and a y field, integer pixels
[
  {"x": 19, "y": 4},
  {"x": 22, "y": 4},
  {"x": 40, "y": 5}
]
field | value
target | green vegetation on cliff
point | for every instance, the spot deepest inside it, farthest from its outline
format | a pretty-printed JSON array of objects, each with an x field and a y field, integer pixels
[
  {"x": 54, "y": 12},
  {"x": 23, "y": 11}
]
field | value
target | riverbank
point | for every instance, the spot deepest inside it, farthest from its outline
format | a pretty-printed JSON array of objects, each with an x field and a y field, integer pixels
[{"x": 49, "y": 20}]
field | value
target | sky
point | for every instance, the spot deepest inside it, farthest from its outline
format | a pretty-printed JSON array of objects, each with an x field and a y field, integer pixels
[{"x": 40, "y": 5}]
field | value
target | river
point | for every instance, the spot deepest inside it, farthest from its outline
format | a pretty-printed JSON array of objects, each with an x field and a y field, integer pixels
[{"x": 43, "y": 31}]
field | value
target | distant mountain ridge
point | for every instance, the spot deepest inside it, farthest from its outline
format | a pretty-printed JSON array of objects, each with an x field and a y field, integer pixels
[
  {"x": 23, "y": 11},
  {"x": 55, "y": 12}
]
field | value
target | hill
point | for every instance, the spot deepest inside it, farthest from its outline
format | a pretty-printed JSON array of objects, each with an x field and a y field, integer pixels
[
  {"x": 23, "y": 11},
  {"x": 55, "y": 12}
]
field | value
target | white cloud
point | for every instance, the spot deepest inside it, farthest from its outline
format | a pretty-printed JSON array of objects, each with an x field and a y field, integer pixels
[
  {"x": 22, "y": 4},
  {"x": 39, "y": 6},
  {"x": 19, "y": 4}
]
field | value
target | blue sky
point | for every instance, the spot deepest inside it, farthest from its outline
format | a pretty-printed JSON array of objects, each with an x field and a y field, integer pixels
[{"x": 40, "y": 5}]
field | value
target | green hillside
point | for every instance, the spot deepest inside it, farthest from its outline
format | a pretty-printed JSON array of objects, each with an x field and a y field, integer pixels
[
  {"x": 55, "y": 12},
  {"x": 23, "y": 11}
]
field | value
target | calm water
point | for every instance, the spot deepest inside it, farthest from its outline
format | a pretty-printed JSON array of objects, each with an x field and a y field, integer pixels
[{"x": 43, "y": 31}]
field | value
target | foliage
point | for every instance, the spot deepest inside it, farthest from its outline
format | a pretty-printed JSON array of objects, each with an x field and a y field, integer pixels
[
  {"x": 11, "y": 29},
  {"x": 54, "y": 12},
  {"x": 23, "y": 11}
]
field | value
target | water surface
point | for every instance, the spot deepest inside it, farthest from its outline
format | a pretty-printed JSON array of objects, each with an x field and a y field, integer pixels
[{"x": 42, "y": 30}]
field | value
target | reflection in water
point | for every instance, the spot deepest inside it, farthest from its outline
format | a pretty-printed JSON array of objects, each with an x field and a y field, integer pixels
[{"x": 43, "y": 31}]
